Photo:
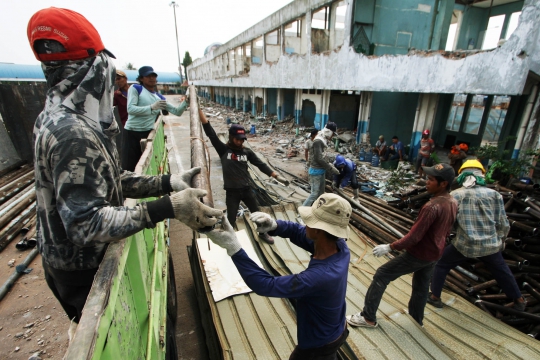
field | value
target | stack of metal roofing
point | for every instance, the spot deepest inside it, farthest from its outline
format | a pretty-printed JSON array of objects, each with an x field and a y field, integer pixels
[{"x": 250, "y": 326}]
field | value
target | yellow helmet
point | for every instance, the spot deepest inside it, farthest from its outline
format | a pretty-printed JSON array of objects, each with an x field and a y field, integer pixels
[{"x": 472, "y": 164}]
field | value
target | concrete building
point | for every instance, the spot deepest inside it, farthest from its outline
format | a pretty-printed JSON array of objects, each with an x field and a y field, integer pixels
[{"x": 468, "y": 70}]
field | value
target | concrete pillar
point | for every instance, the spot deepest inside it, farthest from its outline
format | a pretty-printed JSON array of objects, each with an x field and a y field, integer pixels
[
  {"x": 280, "y": 110},
  {"x": 298, "y": 106},
  {"x": 325, "y": 105},
  {"x": 254, "y": 103},
  {"x": 237, "y": 97},
  {"x": 246, "y": 104},
  {"x": 265, "y": 102},
  {"x": 424, "y": 119},
  {"x": 364, "y": 114},
  {"x": 228, "y": 96},
  {"x": 526, "y": 132}
]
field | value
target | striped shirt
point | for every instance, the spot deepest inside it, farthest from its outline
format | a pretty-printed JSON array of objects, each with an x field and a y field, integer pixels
[{"x": 481, "y": 221}]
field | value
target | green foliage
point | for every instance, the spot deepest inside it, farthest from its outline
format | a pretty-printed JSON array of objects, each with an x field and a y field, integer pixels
[
  {"x": 400, "y": 178},
  {"x": 187, "y": 61},
  {"x": 502, "y": 166},
  {"x": 435, "y": 158},
  {"x": 130, "y": 66}
]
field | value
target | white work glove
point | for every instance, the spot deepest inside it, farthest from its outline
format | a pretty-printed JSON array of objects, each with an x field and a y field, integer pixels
[
  {"x": 225, "y": 237},
  {"x": 381, "y": 250},
  {"x": 282, "y": 180},
  {"x": 334, "y": 170},
  {"x": 182, "y": 181},
  {"x": 191, "y": 211},
  {"x": 264, "y": 222},
  {"x": 159, "y": 105}
]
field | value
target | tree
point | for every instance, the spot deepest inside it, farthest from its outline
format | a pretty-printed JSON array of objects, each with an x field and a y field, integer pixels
[
  {"x": 130, "y": 66},
  {"x": 187, "y": 61}
]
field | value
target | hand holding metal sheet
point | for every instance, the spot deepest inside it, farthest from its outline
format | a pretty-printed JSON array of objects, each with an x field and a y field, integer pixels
[
  {"x": 191, "y": 211},
  {"x": 225, "y": 237},
  {"x": 264, "y": 222}
]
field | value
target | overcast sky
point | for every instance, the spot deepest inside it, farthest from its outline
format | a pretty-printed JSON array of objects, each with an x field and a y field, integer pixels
[{"x": 140, "y": 31}]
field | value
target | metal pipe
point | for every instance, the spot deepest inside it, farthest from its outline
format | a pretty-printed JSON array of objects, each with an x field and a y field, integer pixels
[
  {"x": 467, "y": 273},
  {"x": 198, "y": 152},
  {"x": 515, "y": 256},
  {"x": 530, "y": 201},
  {"x": 522, "y": 227},
  {"x": 16, "y": 181},
  {"x": 518, "y": 216},
  {"x": 532, "y": 291},
  {"x": 509, "y": 310},
  {"x": 482, "y": 286},
  {"x": 14, "y": 190},
  {"x": 14, "y": 174},
  {"x": 529, "y": 210},
  {"x": 460, "y": 277},
  {"x": 11, "y": 280},
  {"x": 512, "y": 241},
  {"x": 534, "y": 332},
  {"x": 482, "y": 306},
  {"x": 19, "y": 218},
  {"x": 8, "y": 214},
  {"x": 14, "y": 200},
  {"x": 367, "y": 211},
  {"x": 508, "y": 205}
]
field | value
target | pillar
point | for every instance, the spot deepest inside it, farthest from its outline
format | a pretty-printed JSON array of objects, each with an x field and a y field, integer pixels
[
  {"x": 280, "y": 110},
  {"x": 364, "y": 114},
  {"x": 424, "y": 119},
  {"x": 298, "y": 106},
  {"x": 525, "y": 130}
]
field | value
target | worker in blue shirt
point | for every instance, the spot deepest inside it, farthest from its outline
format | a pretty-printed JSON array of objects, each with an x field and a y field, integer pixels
[
  {"x": 396, "y": 150},
  {"x": 320, "y": 289},
  {"x": 346, "y": 176}
]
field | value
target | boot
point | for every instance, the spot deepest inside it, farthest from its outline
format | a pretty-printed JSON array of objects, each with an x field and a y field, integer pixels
[{"x": 355, "y": 193}]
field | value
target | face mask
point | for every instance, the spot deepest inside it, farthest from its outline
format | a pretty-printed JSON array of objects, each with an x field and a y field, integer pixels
[{"x": 469, "y": 179}]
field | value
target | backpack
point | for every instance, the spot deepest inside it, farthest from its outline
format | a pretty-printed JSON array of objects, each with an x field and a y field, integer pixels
[{"x": 139, "y": 89}]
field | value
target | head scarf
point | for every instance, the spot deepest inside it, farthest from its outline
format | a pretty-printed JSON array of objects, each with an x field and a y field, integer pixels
[
  {"x": 84, "y": 87},
  {"x": 470, "y": 177}
]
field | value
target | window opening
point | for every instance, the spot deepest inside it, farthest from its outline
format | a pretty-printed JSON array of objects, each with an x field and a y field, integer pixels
[
  {"x": 512, "y": 24},
  {"x": 319, "y": 20},
  {"x": 456, "y": 112},
  {"x": 493, "y": 33}
]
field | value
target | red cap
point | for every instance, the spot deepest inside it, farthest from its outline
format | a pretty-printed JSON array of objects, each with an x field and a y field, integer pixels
[
  {"x": 426, "y": 132},
  {"x": 71, "y": 29}
]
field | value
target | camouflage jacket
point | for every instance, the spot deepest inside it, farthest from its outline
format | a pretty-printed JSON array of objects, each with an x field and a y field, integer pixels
[{"x": 79, "y": 184}]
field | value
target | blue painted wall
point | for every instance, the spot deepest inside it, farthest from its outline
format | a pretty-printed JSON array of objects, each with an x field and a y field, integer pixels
[
  {"x": 392, "y": 114},
  {"x": 271, "y": 99},
  {"x": 476, "y": 20},
  {"x": 399, "y": 25},
  {"x": 288, "y": 102}
]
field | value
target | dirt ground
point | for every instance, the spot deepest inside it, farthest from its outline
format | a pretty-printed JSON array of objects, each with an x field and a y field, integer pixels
[{"x": 31, "y": 319}]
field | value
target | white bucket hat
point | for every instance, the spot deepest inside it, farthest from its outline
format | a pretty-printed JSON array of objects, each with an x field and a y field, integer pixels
[{"x": 330, "y": 213}]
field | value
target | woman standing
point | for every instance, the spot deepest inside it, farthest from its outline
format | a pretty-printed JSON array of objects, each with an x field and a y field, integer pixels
[{"x": 144, "y": 104}]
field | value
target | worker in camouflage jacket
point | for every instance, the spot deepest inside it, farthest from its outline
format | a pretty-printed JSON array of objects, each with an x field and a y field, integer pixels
[{"x": 80, "y": 186}]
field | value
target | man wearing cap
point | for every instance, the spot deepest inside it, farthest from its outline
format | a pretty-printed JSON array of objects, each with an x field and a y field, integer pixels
[
  {"x": 457, "y": 154},
  {"x": 347, "y": 175},
  {"x": 320, "y": 289},
  {"x": 482, "y": 227},
  {"x": 144, "y": 105},
  {"x": 380, "y": 147},
  {"x": 80, "y": 188},
  {"x": 427, "y": 146},
  {"x": 424, "y": 244},
  {"x": 318, "y": 164},
  {"x": 120, "y": 95},
  {"x": 236, "y": 179}
]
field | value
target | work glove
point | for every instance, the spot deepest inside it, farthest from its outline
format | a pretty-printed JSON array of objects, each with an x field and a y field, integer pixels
[
  {"x": 264, "y": 222},
  {"x": 182, "y": 181},
  {"x": 381, "y": 250},
  {"x": 225, "y": 237},
  {"x": 282, "y": 180},
  {"x": 191, "y": 211},
  {"x": 159, "y": 105},
  {"x": 334, "y": 170}
]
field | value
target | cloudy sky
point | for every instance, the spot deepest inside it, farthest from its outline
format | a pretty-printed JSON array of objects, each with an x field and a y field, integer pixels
[{"x": 140, "y": 31}]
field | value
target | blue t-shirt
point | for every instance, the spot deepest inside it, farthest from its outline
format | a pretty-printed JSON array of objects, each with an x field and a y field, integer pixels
[
  {"x": 316, "y": 171},
  {"x": 319, "y": 290},
  {"x": 398, "y": 146}
]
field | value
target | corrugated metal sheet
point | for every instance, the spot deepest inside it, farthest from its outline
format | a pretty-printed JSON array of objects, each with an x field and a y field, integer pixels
[{"x": 458, "y": 331}]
